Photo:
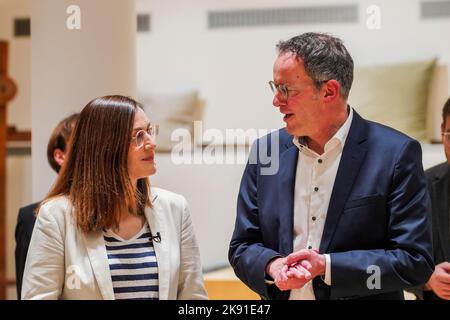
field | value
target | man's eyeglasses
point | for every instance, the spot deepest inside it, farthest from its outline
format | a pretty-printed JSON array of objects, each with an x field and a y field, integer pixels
[
  {"x": 281, "y": 88},
  {"x": 446, "y": 137},
  {"x": 284, "y": 89},
  {"x": 152, "y": 131}
]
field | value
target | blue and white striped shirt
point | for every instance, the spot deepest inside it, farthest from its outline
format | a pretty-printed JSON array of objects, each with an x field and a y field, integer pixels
[{"x": 133, "y": 265}]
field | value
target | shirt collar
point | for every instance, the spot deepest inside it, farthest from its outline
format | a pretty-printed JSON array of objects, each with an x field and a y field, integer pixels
[{"x": 339, "y": 137}]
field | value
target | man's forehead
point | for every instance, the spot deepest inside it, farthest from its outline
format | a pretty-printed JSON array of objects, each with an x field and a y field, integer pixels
[
  {"x": 289, "y": 63},
  {"x": 289, "y": 57}
]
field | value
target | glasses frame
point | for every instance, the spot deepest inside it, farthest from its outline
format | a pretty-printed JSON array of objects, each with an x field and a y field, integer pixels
[
  {"x": 447, "y": 137},
  {"x": 152, "y": 131},
  {"x": 283, "y": 88}
]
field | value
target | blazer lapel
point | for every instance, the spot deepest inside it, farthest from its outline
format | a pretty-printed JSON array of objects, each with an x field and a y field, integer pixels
[
  {"x": 154, "y": 219},
  {"x": 352, "y": 157},
  {"x": 95, "y": 245},
  {"x": 286, "y": 188},
  {"x": 441, "y": 193}
]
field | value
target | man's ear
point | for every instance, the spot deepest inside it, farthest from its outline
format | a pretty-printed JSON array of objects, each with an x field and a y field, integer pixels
[
  {"x": 331, "y": 90},
  {"x": 59, "y": 156}
]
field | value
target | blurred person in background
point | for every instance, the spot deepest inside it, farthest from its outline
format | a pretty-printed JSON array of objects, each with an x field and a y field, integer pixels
[{"x": 56, "y": 153}]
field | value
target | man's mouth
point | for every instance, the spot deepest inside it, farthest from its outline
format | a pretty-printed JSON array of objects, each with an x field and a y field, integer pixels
[
  {"x": 149, "y": 158},
  {"x": 287, "y": 116}
]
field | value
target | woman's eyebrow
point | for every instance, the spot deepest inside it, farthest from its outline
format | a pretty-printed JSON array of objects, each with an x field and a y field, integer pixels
[{"x": 142, "y": 127}]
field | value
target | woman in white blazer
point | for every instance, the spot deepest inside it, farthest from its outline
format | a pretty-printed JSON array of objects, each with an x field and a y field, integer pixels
[{"x": 102, "y": 233}]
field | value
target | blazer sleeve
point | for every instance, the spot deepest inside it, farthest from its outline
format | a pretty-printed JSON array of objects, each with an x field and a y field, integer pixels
[
  {"x": 406, "y": 260},
  {"x": 22, "y": 243},
  {"x": 44, "y": 268},
  {"x": 190, "y": 284},
  {"x": 247, "y": 254}
]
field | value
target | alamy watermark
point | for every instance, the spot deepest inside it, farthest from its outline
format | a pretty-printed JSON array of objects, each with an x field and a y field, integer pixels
[
  {"x": 73, "y": 21},
  {"x": 232, "y": 146},
  {"x": 73, "y": 279},
  {"x": 374, "y": 280}
]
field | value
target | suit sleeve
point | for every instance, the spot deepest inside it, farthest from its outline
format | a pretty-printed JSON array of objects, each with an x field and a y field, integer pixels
[
  {"x": 22, "y": 242},
  {"x": 406, "y": 260},
  {"x": 190, "y": 285},
  {"x": 247, "y": 254},
  {"x": 44, "y": 269}
]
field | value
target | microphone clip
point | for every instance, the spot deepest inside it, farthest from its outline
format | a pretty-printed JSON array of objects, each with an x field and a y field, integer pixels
[{"x": 156, "y": 238}]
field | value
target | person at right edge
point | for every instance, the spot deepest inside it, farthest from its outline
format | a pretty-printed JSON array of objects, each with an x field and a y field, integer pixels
[
  {"x": 347, "y": 214},
  {"x": 438, "y": 178}
]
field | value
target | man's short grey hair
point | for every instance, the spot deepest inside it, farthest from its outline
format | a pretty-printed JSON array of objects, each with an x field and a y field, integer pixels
[{"x": 324, "y": 56}]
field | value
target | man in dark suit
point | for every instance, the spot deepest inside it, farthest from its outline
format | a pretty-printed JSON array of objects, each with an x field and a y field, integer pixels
[
  {"x": 438, "y": 178},
  {"x": 56, "y": 150},
  {"x": 341, "y": 210}
]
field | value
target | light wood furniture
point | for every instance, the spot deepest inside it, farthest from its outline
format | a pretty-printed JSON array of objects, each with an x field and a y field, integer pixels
[{"x": 224, "y": 285}]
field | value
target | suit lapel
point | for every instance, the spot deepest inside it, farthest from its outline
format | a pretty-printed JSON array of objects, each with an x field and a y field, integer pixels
[
  {"x": 95, "y": 245},
  {"x": 441, "y": 188},
  {"x": 154, "y": 219},
  {"x": 286, "y": 188},
  {"x": 352, "y": 157}
]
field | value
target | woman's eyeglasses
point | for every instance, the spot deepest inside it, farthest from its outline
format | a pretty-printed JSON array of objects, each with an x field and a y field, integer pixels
[{"x": 152, "y": 131}]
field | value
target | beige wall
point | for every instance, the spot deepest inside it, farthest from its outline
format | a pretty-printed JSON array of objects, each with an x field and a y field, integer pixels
[
  {"x": 71, "y": 67},
  {"x": 19, "y": 110}
]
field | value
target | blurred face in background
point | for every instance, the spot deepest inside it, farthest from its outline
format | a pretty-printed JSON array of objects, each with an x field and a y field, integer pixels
[{"x": 445, "y": 127}]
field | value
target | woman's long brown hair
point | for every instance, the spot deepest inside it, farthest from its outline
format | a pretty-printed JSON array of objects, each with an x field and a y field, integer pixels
[{"x": 95, "y": 174}]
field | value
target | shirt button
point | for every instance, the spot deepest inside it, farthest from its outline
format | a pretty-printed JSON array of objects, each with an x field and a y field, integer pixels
[
  {"x": 313, "y": 218},
  {"x": 316, "y": 189},
  {"x": 319, "y": 161}
]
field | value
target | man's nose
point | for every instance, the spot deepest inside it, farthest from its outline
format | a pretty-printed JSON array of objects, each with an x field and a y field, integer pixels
[{"x": 278, "y": 99}]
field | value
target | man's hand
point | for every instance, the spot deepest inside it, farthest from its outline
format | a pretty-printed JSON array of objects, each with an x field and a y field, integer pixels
[
  {"x": 310, "y": 260},
  {"x": 440, "y": 280},
  {"x": 277, "y": 269}
]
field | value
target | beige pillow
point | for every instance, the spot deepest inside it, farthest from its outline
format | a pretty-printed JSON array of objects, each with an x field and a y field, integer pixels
[
  {"x": 395, "y": 95},
  {"x": 171, "y": 110}
]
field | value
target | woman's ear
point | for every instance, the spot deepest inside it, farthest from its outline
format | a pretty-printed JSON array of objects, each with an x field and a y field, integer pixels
[{"x": 59, "y": 156}]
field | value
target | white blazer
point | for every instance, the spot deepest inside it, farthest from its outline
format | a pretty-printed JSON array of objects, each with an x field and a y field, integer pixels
[{"x": 65, "y": 263}]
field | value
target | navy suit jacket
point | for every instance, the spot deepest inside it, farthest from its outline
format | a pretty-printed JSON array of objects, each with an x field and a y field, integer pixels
[
  {"x": 438, "y": 178},
  {"x": 379, "y": 214}
]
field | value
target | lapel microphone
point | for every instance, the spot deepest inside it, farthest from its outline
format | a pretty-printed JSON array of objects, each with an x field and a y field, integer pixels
[{"x": 156, "y": 238}]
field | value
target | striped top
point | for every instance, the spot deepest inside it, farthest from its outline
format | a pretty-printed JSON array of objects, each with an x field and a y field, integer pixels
[{"x": 133, "y": 265}]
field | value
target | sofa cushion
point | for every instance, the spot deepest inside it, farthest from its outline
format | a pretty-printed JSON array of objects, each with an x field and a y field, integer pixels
[{"x": 395, "y": 95}]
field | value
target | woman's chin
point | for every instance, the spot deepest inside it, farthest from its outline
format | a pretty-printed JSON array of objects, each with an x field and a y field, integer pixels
[{"x": 151, "y": 170}]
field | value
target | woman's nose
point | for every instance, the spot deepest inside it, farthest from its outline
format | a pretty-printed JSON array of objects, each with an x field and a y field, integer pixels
[{"x": 150, "y": 145}]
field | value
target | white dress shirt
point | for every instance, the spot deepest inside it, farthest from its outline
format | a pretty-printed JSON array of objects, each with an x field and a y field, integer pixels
[{"x": 314, "y": 183}]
